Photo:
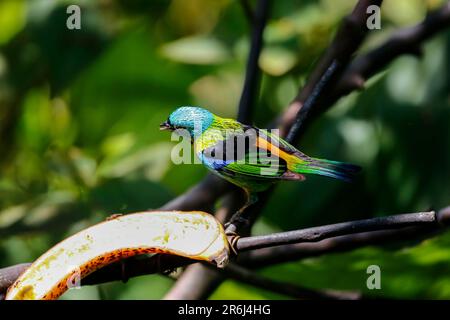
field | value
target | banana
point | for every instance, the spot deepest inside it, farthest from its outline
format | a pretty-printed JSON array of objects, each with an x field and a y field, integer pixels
[{"x": 195, "y": 235}]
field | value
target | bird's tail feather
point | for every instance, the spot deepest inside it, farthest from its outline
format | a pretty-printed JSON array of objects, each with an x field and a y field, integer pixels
[{"x": 333, "y": 169}]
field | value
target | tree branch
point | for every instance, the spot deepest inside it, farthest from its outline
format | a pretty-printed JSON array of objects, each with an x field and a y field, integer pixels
[{"x": 318, "y": 233}]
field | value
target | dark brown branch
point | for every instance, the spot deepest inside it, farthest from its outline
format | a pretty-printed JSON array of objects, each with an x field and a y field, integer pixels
[{"x": 318, "y": 233}]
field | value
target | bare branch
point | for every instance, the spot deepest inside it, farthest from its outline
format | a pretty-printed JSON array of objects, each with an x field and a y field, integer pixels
[{"x": 318, "y": 233}]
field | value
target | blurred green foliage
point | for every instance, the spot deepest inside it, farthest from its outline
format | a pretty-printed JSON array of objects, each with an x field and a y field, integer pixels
[{"x": 79, "y": 138}]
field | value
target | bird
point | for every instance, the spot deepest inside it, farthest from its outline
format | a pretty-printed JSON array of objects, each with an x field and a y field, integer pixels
[{"x": 251, "y": 158}]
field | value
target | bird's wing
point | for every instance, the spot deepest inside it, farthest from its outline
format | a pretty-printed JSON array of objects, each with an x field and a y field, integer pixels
[
  {"x": 299, "y": 163},
  {"x": 285, "y": 147},
  {"x": 255, "y": 158}
]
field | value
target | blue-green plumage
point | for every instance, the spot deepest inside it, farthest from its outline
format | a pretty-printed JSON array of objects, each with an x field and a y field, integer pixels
[
  {"x": 266, "y": 158},
  {"x": 194, "y": 119}
]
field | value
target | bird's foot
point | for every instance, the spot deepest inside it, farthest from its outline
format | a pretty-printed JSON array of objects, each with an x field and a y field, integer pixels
[{"x": 233, "y": 238}]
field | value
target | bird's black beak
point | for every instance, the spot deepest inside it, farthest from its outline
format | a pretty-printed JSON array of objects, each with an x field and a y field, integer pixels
[{"x": 165, "y": 126}]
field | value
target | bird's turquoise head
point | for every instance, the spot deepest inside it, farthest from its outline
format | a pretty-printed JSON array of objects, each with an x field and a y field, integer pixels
[{"x": 194, "y": 119}]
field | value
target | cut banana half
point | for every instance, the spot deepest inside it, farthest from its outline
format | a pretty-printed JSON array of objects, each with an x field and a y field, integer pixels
[{"x": 195, "y": 235}]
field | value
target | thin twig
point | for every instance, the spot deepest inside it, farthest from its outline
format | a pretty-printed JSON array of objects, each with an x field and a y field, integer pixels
[{"x": 318, "y": 233}]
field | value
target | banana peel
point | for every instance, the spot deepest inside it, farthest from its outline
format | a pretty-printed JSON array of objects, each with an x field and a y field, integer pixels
[{"x": 196, "y": 235}]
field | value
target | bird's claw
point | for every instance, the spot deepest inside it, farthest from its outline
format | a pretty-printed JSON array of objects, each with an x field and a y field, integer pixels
[{"x": 233, "y": 238}]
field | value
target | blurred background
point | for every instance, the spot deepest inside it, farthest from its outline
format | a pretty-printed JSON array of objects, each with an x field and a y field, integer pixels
[{"x": 79, "y": 137}]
